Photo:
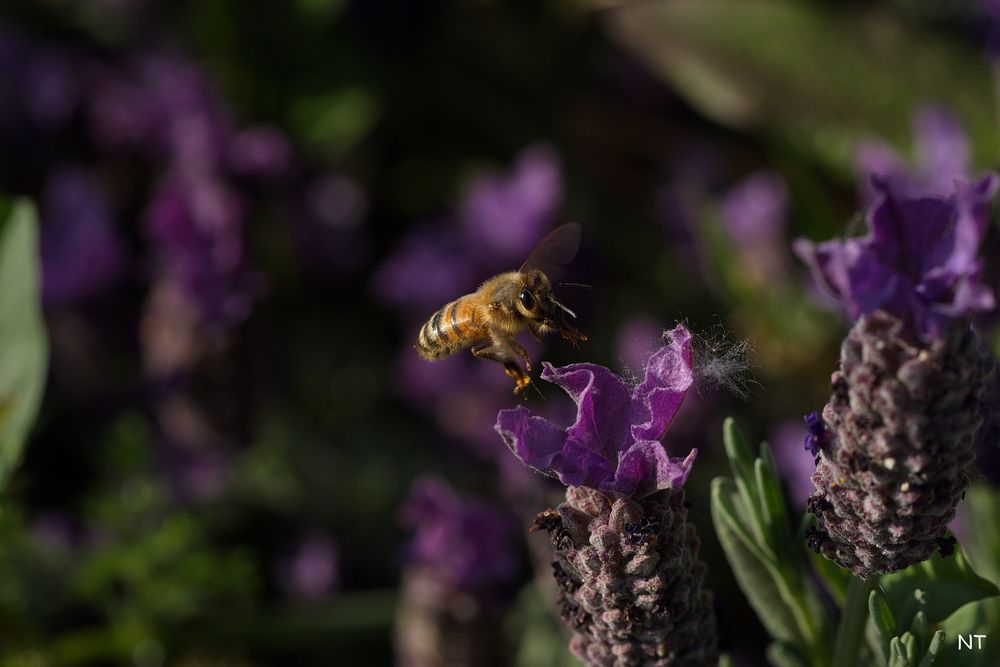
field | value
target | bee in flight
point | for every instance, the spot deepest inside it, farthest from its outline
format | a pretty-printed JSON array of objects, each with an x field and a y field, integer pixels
[{"x": 489, "y": 319}]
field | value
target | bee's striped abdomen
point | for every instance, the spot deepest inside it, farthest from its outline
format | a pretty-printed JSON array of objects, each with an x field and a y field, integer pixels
[{"x": 448, "y": 330}]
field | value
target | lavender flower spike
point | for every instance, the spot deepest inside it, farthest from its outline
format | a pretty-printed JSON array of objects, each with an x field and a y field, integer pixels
[
  {"x": 614, "y": 445},
  {"x": 896, "y": 438},
  {"x": 626, "y": 560}
]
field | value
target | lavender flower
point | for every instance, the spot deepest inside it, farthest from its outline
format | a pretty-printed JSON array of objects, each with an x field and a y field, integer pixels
[
  {"x": 197, "y": 227},
  {"x": 460, "y": 574},
  {"x": 627, "y": 568},
  {"x": 466, "y": 541},
  {"x": 754, "y": 214},
  {"x": 918, "y": 262},
  {"x": 82, "y": 253},
  {"x": 942, "y": 157},
  {"x": 614, "y": 445},
  {"x": 502, "y": 215},
  {"x": 896, "y": 438},
  {"x": 311, "y": 570}
]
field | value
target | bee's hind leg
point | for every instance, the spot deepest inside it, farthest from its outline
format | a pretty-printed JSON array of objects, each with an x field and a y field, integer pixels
[{"x": 502, "y": 354}]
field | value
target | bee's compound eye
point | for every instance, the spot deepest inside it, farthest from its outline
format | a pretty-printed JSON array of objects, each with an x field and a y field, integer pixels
[{"x": 527, "y": 299}]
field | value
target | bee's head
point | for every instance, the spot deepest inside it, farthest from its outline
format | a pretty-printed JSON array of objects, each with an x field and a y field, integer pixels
[{"x": 536, "y": 301}]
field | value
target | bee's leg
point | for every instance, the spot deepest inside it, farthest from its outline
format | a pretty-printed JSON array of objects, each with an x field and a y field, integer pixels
[
  {"x": 521, "y": 352},
  {"x": 503, "y": 354},
  {"x": 536, "y": 329}
]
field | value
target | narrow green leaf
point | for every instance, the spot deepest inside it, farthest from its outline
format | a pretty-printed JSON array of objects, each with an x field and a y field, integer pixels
[
  {"x": 725, "y": 660},
  {"x": 882, "y": 619},
  {"x": 781, "y": 654},
  {"x": 739, "y": 452},
  {"x": 898, "y": 653},
  {"x": 919, "y": 627},
  {"x": 948, "y": 583},
  {"x": 741, "y": 461},
  {"x": 772, "y": 502},
  {"x": 753, "y": 571},
  {"x": 937, "y": 641},
  {"x": 23, "y": 341}
]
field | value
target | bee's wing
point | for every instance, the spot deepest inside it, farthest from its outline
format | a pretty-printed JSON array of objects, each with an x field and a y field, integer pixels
[{"x": 557, "y": 248}]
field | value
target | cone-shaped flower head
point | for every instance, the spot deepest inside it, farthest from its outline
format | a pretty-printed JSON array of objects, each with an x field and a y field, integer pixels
[
  {"x": 896, "y": 439},
  {"x": 626, "y": 560},
  {"x": 614, "y": 445},
  {"x": 460, "y": 575}
]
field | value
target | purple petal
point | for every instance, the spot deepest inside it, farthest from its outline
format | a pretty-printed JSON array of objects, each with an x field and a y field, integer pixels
[
  {"x": 535, "y": 440},
  {"x": 646, "y": 468},
  {"x": 602, "y": 401},
  {"x": 942, "y": 150},
  {"x": 669, "y": 375}
]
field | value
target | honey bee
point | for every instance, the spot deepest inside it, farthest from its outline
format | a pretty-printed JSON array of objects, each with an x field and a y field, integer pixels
[{"x": 489, "y": 319}]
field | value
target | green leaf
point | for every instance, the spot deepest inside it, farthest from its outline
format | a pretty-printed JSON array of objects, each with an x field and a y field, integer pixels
[
  {"x": 882, "y": 619},
  {"x": 781, "y": 654},
  {"x": 725, "y": 660},
  {"x": 23, "y": 341},
  {"x": 948, "y": 583},
  {"x": 972, "y": 619},
  {"x": 753, "y": 570},
  {"x": 897, "y": 651},
  {"x": 771, "y": 501},
  {"x": 754, "y": 65},
  {"x": 937, "y": 641},
  {"x": 741, "y": 461}
]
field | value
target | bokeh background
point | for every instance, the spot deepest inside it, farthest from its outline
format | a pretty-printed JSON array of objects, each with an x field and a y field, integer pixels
[{"x": 247, "y": 210}]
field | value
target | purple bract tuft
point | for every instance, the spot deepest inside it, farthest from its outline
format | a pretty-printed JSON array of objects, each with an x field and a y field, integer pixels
[
  {"x": 818, "y": 435},
  {"x": 614, "y": 445},
  {"x": 918, "y": 261},
  {"x": 466, "y": 541}
]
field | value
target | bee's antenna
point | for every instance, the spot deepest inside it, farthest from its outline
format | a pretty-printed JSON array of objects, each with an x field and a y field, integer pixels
[
  {"x": 572, "y": 314},
  {"x": 538, "y": 391},
  {"x": 575, "y": 285}
]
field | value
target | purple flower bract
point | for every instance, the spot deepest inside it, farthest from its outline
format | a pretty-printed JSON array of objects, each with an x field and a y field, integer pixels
[
  {"x": 466, "y": 541},
  {"x": 919, "y": 260},
  {"x": 614, "y": 445}
]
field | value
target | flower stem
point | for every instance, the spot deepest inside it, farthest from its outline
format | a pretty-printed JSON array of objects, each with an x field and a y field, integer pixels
[{"x": 851, "y": 630}]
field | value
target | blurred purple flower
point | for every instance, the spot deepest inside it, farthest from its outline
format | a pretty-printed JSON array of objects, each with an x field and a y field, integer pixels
[
  {"x": 795, "y": 465},
  {"x": 260, "y": 152},
  {"x": 82, "y": 253},
  {"x": 614, "y": 446},
  {"x": 196, "y": 226},
  {"x": 428, "y": 268},
  {"x": 311, "y": 571},
  {"x": 50, "y": 87},
  {"x": 121, "y": 115},
  {"x": 754, "y": 214},
  {"x": 466, "y": 541},
  {"x": 326, "y": 215},
  {"x": 919, "y": 260},
  {"x": 503, "y": 215},
  {"x": 637, "y": 339},
  {"x": 195, "y": 125},
  {"x": 942, "y": 157}
]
